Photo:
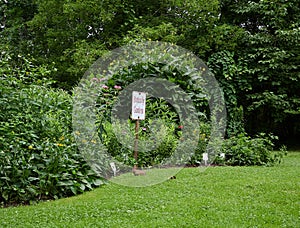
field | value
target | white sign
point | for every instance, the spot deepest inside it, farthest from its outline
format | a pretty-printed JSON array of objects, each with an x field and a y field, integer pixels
[
  {"x": 114, "y": 168},
  {"x": 138, "y": 105},
  {"x": 205, "y": 156}
]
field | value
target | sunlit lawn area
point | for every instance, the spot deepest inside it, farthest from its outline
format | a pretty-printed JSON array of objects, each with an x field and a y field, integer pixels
[{"x": 216, "y": 197}]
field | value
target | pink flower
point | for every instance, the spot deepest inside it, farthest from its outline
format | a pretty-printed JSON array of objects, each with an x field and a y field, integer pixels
[
  {"x": 144, "y": 129},
  {"x": 94, "y": 79},
  {"x": 104, "y": 87},
  {"x": 180, "y": 126},
  {"x": 117, "y": 87}
]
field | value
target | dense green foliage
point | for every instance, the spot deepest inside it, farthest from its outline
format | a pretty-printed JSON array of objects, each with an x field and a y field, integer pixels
[
  {"x": 166, "y": 137},
  {"x": 39, "y": 158},
  {"x": 242, "y": 150},
  {"x": 239, "y": 149},
  {"x": 265, "y": 66},
  {"x": 252, "y": 47}
]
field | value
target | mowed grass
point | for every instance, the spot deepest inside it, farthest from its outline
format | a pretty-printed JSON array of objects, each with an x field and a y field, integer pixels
[{"x": 216, "y": 197}]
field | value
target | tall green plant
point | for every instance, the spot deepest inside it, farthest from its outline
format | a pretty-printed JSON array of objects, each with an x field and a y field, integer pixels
[{"x": 38, "y": 155}]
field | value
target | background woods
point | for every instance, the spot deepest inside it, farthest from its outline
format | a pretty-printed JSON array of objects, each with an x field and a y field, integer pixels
[{"x": 251, "y": 46}]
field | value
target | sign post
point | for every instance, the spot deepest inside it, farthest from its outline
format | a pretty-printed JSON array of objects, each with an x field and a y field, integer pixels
[{"x": 137, "y": 113}]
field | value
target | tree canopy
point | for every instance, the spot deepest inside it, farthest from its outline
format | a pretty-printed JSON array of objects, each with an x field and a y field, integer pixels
[{"x": 251, "y": 46}]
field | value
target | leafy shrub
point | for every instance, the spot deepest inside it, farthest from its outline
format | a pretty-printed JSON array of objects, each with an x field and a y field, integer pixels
[
  {"x": 156, "y": 109},
  {"x": 123, "y": 152},
  {"x": 38, "y": 155},
  {"x": 239, "y": 148},
  {"x": 243, "y": 150},
  {"x": 163, "y": 141}
]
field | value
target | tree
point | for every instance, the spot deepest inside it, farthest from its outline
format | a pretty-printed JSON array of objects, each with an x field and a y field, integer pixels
[
  {"x": 251, "y": 46},
  {"x": 270, "y": 49},
  {"x": 73, "y": 34}
]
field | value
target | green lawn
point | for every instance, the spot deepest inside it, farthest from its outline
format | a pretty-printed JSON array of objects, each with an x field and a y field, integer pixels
[{"x": 216, "y": 197}]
